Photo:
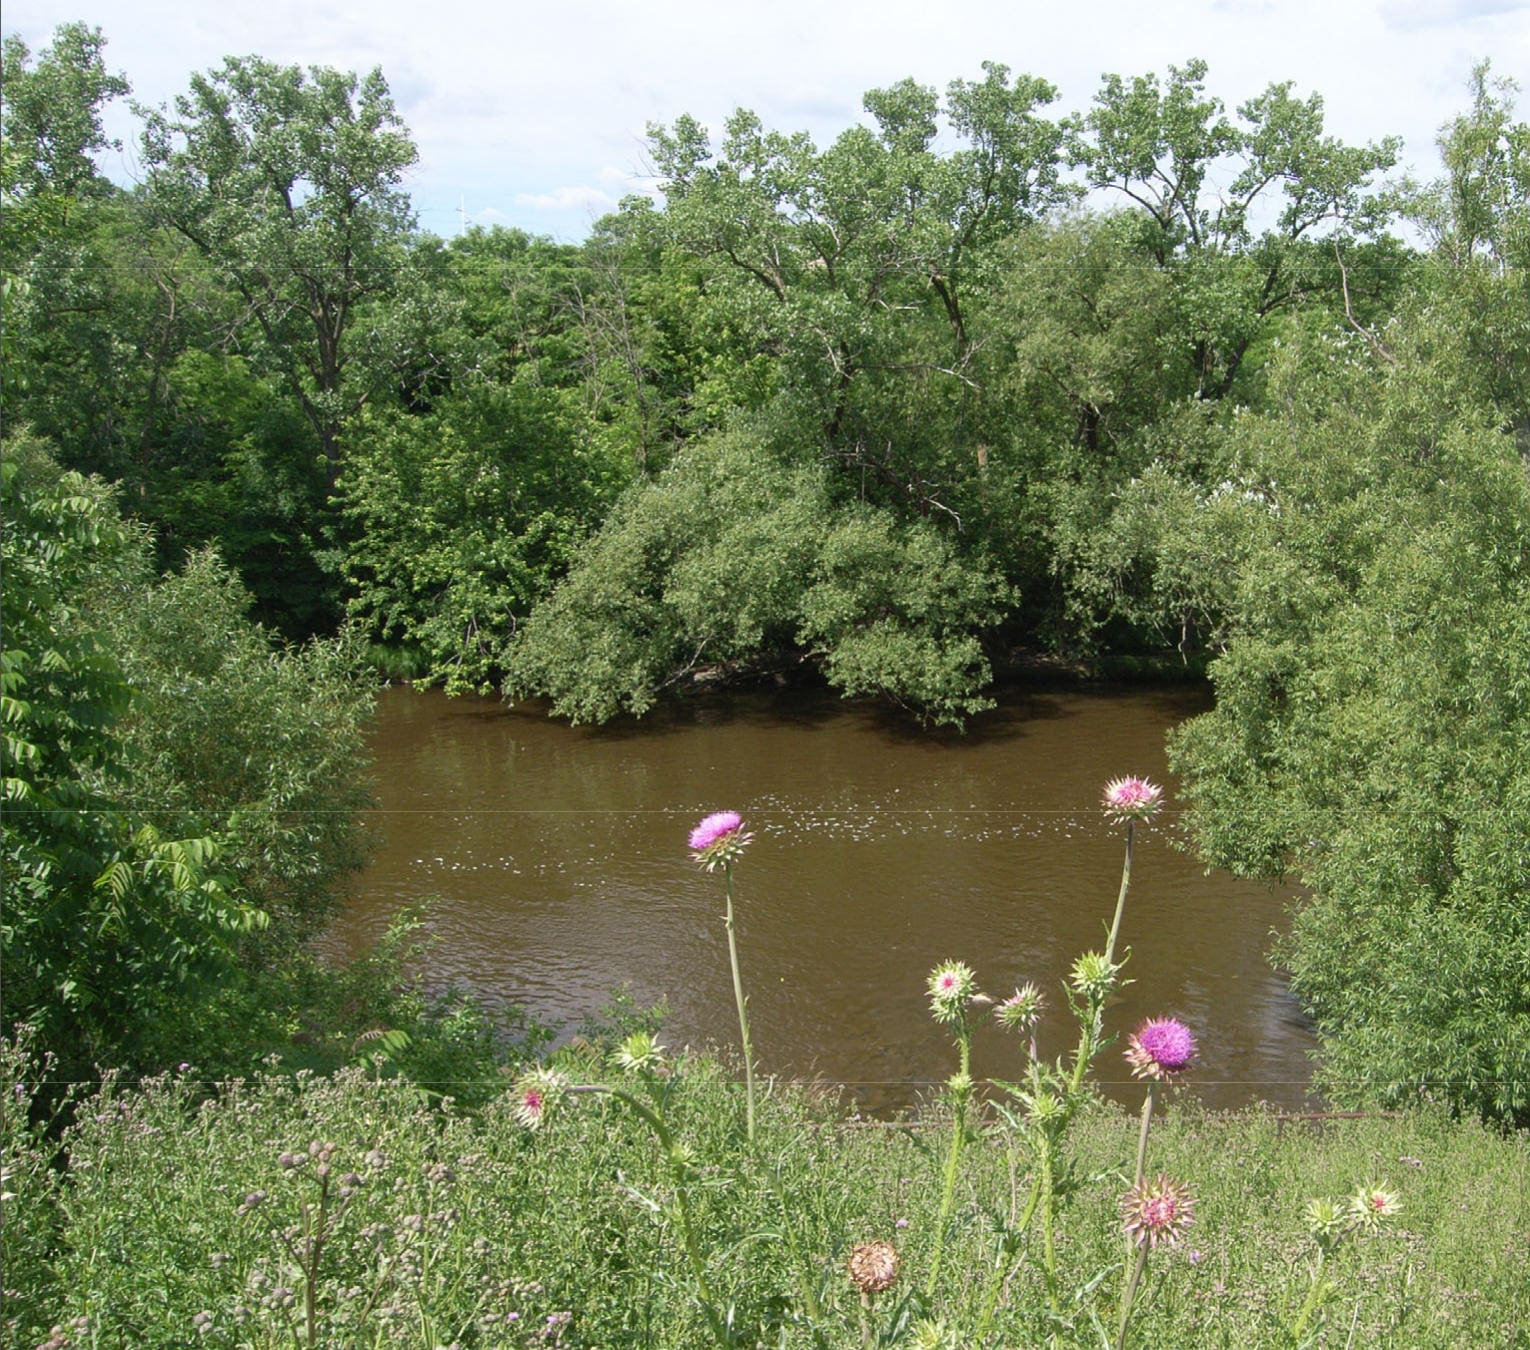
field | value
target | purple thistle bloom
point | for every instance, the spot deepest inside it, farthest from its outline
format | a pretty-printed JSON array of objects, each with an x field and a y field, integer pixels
[
  {"x": 718, "y": 839},
  {"x": 533, "y": 1093},
  {"x": 1132, "y": 799},
  {"x": 1160, "y": 1048},
  {"x": 719, "y": 825}
]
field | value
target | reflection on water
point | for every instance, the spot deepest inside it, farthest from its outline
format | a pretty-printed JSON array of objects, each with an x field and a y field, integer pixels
[{"x": 559, "y": 856}]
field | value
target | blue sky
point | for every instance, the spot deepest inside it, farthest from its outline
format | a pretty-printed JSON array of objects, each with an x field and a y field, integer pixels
[{"x": 533, "y": 115}]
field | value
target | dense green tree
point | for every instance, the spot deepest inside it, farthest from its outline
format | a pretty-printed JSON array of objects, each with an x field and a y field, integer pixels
[
  {"x": 261, "y": 745},
  {"x": 465, "y": 517},
  {"x": 1299, "y": 202},
  {"x": 66, "y": 361},
  {"x": 1370, "y": 572},
  {"x": 50, "y": 111},
  {"x": 466, "y": 497},
  {"x": 288, "y": 183},
  {"x": 839, "y": 282},
  {"x": 182, "y": 801}
]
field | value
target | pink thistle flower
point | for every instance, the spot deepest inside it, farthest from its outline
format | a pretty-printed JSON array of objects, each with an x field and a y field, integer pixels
[
  {"x": 533, "y": 1094},
  {"x": 1371, "y": 1206},
  {"x": 1022, "y": 1009},
  {"x": 719, "y": 825},
  {"x": 1131, "y": 799},
  {"x": 718, "y": 840},
  {"x": 1157, "y": 1211},
  {"x": 952, "y": 986},
  {"x": 1160, "y": 1048}
]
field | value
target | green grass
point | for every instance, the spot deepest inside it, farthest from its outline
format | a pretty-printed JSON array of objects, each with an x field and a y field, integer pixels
[{"x": 179, "y": 1222}]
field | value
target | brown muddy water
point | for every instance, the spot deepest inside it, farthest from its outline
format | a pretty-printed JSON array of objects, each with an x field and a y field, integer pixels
[{"x": 558, "y": 856}]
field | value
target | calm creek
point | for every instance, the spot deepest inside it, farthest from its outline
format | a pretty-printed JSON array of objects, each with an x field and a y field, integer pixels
[{"x": 557, "y": 856}]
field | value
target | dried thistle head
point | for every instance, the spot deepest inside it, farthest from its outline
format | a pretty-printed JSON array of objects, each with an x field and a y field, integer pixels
[{"x": 874, "y": 1267}]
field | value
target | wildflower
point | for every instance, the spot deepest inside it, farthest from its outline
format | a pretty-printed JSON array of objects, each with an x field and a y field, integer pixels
[
  {"x": 1372, "y": 1206},
  {"x": 718, "y": 840},
  {"x": 1131, "y": 799},
  {"x": 1326, "y": 1221},
  {"x": 874, "y": 1267},
  {"x": 535, "y": 1091},
  {"x": 933, "y": 1334},
  {"x": 1022, "y": 1009},
  {"x": 1157, "y": 1211},
  {"x": 639, "y": 1053},
  {"x": 1093, "y": 975},
  {"x": 1160, "y": 1048},
  {"x": 952, "y": 985}
]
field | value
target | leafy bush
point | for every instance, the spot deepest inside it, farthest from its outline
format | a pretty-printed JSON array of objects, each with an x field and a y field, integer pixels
[{"x": 107, "y": 917}]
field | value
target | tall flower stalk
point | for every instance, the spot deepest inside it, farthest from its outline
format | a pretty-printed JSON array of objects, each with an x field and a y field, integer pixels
[
  {"x": 718, "y": 841},
  {"x": 1152, "y": 1212},
  {"x": 1330, "y": 1222},
  {"x": 1051, "y": 1094},
  {"x": 1127, "y": 801},
  {"x": 1159, "y": 1050},
  {"x": 953, "y": 990}
]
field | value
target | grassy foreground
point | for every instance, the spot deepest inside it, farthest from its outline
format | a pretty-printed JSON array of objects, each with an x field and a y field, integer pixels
[{"x": 349, "y": 1211}]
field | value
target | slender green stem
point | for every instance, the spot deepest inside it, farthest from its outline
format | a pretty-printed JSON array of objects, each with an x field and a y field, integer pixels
[
  {"x": 1126, "y": 881},
  {"x": 1089, "y": 1038},
  {"x": 655, "y": 1122},
  {"x": 1048, "y": 1248},
  {"x": 315, "y": 1248},
  {"x": 1088, "y": 1047},
  {"x": 801, "y": 1269},
  {"x": 1129, "y": 1295},
  {"x": 1315, "y": 1296},
  {"x": 1003, "y": 1265},
  {"x": 953, "y": 1157},
  {"x": 1142, "y": 1134},
  {"x": 1136, "y": 1253},
  {"x": 743, "y": 1015},
  {"x": 865, "y": 1320}
]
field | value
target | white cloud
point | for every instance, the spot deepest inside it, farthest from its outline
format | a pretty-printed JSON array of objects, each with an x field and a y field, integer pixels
[
  {"x": 1409, "y": 14},
  {"x": 567, "y": 199}
]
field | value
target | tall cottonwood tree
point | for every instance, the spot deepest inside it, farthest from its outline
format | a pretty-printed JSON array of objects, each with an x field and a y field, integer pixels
[
  {"x": 852, "y": 269},
  {"x": 50, "y": 112},
  {"x": 1249, "y": 249},
  {"x": 289, "y": 182}
]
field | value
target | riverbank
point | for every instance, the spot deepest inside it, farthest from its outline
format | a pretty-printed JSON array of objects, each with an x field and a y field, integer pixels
[{"x": 193, "y": 1219}]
